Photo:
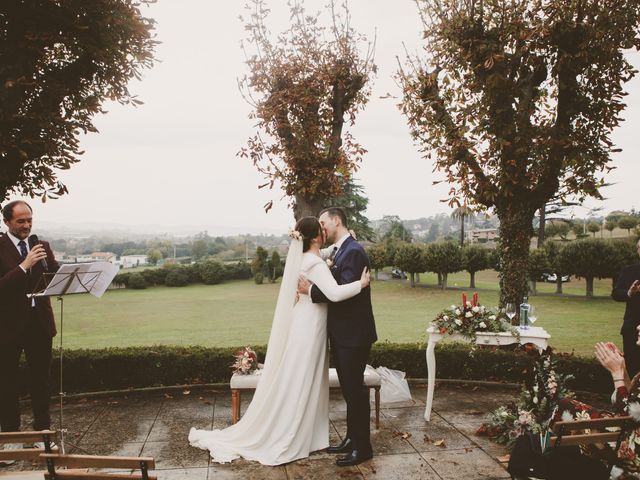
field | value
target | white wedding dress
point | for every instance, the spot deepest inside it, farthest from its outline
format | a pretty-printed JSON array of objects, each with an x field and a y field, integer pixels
[{"x": 289, "y": 415}]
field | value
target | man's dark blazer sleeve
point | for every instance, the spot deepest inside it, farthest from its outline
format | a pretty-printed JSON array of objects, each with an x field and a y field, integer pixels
[
  {"x": 14, "y": 280},
  {"x": 351, "y": 266},
  {"x": 625, "y": 280}
]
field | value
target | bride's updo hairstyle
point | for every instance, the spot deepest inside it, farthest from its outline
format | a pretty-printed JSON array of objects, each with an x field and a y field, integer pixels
[{"x": 309, "y": 228}]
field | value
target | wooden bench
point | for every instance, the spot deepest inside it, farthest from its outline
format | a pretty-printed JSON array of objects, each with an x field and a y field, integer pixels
[
  {"x": 240, "y": 383},
  {"x": 45, "y": 436},
  {"x": 86, "y": 462}
]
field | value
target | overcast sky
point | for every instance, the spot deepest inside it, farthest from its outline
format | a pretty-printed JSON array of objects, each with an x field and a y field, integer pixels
[{"x": 172, "y": 161}]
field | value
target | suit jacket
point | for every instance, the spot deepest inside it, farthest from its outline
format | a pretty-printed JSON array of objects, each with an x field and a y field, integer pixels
[
  {"x": 350, "y": 323},
  {"x": 632, "y": 311},
  {"x": 15, "y": 284}
]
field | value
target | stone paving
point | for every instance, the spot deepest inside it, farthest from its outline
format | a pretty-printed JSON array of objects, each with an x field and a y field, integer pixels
[{"x": 405, "y": 447}]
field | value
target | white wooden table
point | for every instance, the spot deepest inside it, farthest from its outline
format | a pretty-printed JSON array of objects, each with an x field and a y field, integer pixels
[{"x": 538, "y": 336}]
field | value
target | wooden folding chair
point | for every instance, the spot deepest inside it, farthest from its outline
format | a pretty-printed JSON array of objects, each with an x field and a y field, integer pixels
[
  {"x": 45, "y": 436},
  {"x": 56, "y": 463}
]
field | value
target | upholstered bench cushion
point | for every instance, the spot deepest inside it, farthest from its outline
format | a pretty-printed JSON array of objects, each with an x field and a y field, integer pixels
[{"x": 238, "y": 381}]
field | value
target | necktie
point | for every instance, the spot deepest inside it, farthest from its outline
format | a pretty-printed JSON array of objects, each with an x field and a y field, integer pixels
[{"x": 23, "y": 249}]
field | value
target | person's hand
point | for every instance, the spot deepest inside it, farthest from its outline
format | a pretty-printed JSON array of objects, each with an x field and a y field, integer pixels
[
  {"x": 36, "y": 254},
  {"x": 634, "y": 289},
  {"x": 638, "y": 341},
  {"x": 353, "y": 234},
  {"x": 612, "y": 361},
  {"x": 365, "y": 278},
  {"x": 304, "y": 286},
  {"x": 612, "y": 346}
]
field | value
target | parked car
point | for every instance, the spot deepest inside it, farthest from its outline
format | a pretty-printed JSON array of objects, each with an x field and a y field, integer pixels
[
  {"x": 553, "y": 278},
  {"x": 397, "y": 273}
]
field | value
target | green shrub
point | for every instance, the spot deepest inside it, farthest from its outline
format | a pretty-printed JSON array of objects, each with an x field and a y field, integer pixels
[
  {"x": 177, "y": 276},
  {"x": 238, "y": 271},
  {"x": 211, "y": 271},
  {"x": 258, "y": 278},
  {"x": 121, "y": 280},
  {"x": 136, "y": 367},
  {"x": 137, "y": 281}
]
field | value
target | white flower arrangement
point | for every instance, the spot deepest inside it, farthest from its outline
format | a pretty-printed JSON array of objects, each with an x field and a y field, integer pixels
[{"x": 295, "y": 234}]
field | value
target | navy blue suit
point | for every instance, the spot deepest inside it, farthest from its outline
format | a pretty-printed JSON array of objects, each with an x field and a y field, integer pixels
[
  {"x": 352, "y": 330},
  {"x": 631, "y": 317}
]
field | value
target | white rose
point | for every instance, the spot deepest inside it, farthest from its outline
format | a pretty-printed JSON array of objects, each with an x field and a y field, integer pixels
[
  {"x": 535, "y": 400},
  {"x": 482, "y": 309},
  {"x": 445, "y": 318},
  {"x": 483, "y": 325},
  {"x": 468, "y": 314},
  {"x": 475, "y": 309},
  {"x": 457, "y": 311},
  {"x": 492, "y": 317},
  {"x": 535, "y": 388},
  {"x": 453, "y": 307},
  {"x": 458, "y": 322}
]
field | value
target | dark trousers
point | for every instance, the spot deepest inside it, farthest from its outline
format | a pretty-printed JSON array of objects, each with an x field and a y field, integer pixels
[
  {"x": 36, "y": 343},
  {"x": 350, "y": 364},
  {"x": 631, "y": 351}
]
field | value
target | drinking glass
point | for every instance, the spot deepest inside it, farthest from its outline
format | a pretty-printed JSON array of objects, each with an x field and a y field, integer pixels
[
  {"x": 533, "y": 314},
  {"x": 510, "y": 311}
]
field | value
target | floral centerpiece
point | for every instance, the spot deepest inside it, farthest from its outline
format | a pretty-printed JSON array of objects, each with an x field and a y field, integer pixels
[
  {"x": 246, "y": 361},
  {"x": 535, "y": 409},
  {"x": 470, "y": 318}
]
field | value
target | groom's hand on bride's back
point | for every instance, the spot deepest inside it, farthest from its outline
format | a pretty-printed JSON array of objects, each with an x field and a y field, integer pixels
[{"x": 304, "y": 286}]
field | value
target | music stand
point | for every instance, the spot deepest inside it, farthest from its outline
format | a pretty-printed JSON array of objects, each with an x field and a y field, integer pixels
[{"x": 72, "y": 279}]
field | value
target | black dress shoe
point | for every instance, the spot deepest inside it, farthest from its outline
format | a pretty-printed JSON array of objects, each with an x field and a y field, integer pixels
[
  {"x": 354, "y": 458},
  {"x": 346, "y": 446}
]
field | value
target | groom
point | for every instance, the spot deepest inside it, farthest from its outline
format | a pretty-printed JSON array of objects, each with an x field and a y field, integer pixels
[{"x": 352, "y": 330}]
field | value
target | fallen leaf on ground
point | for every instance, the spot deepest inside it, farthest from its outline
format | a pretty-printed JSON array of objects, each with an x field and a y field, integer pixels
[
  {"x": 186, "y": 392},
  {"x": 503, "y": 458},
  {"x": 166, "y": 395},
  {"x": 404, "y": 435},
  {"x": 440, "y": 443}
]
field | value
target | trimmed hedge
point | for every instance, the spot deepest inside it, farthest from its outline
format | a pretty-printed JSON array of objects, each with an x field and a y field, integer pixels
[{"x": 136, "y": 367}]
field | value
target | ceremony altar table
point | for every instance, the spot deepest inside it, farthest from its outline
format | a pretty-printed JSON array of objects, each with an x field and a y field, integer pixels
[{"x": 538, "y": 336}]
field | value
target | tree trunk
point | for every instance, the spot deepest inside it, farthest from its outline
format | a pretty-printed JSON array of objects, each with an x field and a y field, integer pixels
[
  {"x": 589, "y": 281},
  {"x": 375, "y": 275},
  {"x": 444, "y": 281},
  {"x": 418, "y": 277},
  {"x": 439, "y": 279},
  {"x": 515, "y": 238},
  {"x": 305, "y": 207},
  {"x": 533, "y": 290},
  {"x": 541, "y": 227},
  {"x": 462, "y": 231},
  {"x": 413, "y": 279},
  {"x": 559, "y": 283},
  {"x": 472, "y": 282}
]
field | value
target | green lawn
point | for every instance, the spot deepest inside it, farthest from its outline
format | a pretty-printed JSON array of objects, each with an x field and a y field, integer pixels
[{"x": 240, "y": 312}]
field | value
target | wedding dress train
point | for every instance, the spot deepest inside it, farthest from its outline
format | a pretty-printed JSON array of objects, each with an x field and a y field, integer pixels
[{"x": 289, "y": 415}]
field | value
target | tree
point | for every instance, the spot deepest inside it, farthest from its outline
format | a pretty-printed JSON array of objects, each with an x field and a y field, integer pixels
[
  {"x": 518, "y": 100},
  {"x": 475, "y": 258},
  {"x": 461, "y": 214},
  {"x": 378, "y": 257},
  {"x": 593, "y": 227},
  {"x": 154, "y": 256},
  {"x": 354, "y": 203},
  {"x": 303, "y": 87},
  {"x": 610, "y": 225},
  {"x": 432, "y": 235},
  {"x": 444, "y": 258},
  {"x": 199, "y": 248},
  {"x": 259, "y": 263},
  {"x": 538, "y": 264},
  {"x": 392, "y": 228},
  {"x": 60, "y": 62},
  {"x": 410, "y": 257},
  {"x": 589, "y": 259},
  {"x": 553, "y": 252},
  {"x": 274, "y": 267},
  {"x": 137, "y": 282},
  {"x": 627, "y": 223},
  {"x": 559, "y": 228},
  {"x": 552, "y": 207}
]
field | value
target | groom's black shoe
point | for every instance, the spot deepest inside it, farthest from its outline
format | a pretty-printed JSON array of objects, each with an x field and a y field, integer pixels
[
  {"x": 346, "y": 446},
  {"x": 354, "y": 458}
]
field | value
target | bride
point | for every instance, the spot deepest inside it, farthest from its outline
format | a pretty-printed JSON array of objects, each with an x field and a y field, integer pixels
[{"x": 289, "y": 415}]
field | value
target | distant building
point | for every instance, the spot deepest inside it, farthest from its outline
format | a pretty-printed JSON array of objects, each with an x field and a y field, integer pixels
[
  {"x": 131, "y": 261},
  {"x": 97, "y": 257},
  {"x": 482, "y": 235}
]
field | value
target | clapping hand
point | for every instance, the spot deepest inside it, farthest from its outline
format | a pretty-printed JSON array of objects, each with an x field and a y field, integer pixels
[
  {"x": 611, "y": 359},
  {"x": 634, "y": 288}
]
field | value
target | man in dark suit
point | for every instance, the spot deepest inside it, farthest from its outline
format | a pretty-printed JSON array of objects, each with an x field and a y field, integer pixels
[
  {"x": 627, "y": 290},
  {"x": 351, "y": 328},
  {"x": 26, "y": 324}
]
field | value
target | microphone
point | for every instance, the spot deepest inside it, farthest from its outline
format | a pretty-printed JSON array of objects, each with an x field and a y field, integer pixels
[{"x": 33, "y": 241}]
